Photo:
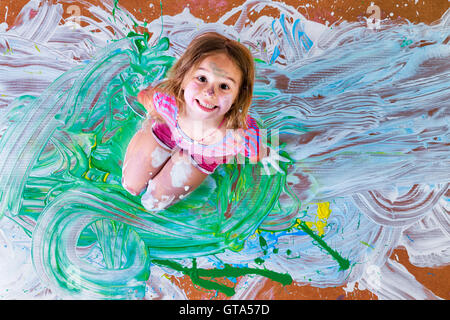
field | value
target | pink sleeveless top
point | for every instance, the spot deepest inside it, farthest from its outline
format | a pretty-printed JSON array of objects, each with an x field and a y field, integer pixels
[{"x": 244, "y": 142}]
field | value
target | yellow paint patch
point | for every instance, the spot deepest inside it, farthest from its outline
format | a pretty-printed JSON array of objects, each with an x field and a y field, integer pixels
[
  {"x": 165, "y": 276},
  {"x": 323, "y": 210},
  {"x": 253, "y": 236},
  {"x": 34, "y": 72},
  {"x": 323, "y": 213}
]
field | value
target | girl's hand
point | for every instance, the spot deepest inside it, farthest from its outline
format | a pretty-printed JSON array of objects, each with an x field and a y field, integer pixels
[{"x": 272, "y": 158}]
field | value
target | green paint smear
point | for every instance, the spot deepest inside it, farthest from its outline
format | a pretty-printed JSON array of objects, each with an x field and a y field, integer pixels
[
  {"x": 75, "y": 181},
  {"x": 228, "y": 271},
  {"x": 366, "y": 244},
  {"x": 344, "y": 264}
]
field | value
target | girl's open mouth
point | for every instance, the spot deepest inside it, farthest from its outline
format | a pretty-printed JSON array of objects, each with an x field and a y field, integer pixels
[{"x": 205, "y": 107}]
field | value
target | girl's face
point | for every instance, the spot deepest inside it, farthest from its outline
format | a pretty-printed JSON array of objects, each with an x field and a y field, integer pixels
[{"x": 211, "y": 87}]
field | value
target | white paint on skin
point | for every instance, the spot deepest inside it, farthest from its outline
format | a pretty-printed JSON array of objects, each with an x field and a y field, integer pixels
[
  {"x": 205, "y": 85},
  {"x": 124, "y": 167},
  {"x": 147, "y": 200},
  {"x": 180, "y": 173},
  {"x": 165, "y": 201},
  {"x": 159, "y": 156},
  {"x": 126, "y": 187},
  {"x": 150, "y": 203}
]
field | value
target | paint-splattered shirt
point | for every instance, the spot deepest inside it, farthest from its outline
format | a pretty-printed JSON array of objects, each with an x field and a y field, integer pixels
[{"x": 244, "y": 142}]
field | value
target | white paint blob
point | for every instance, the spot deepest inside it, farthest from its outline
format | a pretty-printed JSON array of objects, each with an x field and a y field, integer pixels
[
  {"x": 147, "y": 200},
  {"x": 180, "y": 173},
  {"x": 159, "y": 156},
  {"x": 151, "y": 203}
]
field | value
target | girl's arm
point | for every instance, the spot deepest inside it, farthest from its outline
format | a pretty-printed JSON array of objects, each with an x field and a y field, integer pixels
[{"x": 145, "y": 97}]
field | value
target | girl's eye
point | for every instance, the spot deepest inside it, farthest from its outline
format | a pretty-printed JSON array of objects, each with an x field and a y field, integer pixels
[
  {"x": 201, "y": 78},
  {"x": 224, "y": 86}
]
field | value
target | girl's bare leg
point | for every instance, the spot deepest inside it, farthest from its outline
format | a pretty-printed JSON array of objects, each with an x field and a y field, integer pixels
[
  {"x": 144, "y": 158},
  {"x": 177, "y": 178}
]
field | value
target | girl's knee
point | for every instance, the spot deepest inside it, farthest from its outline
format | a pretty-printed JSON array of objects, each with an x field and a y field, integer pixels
[
  {"x": 153, "y": 200},
  {"x": 132, "y": 188}
]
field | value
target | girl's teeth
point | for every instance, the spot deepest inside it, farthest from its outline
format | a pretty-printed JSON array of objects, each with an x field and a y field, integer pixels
[{"x": 209, "y": 106}]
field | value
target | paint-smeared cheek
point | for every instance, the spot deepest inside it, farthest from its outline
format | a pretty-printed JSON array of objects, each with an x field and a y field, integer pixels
[
  {"x": 192, "y": 88},
  {"x": 226, "y": 101}
]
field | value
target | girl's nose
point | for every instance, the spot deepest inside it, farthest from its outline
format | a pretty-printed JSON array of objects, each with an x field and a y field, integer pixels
[{"x": 210, "y": 90}]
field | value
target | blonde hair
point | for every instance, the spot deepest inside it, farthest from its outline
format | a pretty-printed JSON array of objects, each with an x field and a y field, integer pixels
[{"x": 206, "y": 45}]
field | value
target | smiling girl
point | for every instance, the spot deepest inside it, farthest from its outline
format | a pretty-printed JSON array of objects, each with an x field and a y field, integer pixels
[{"x": 198, "y": 119}]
